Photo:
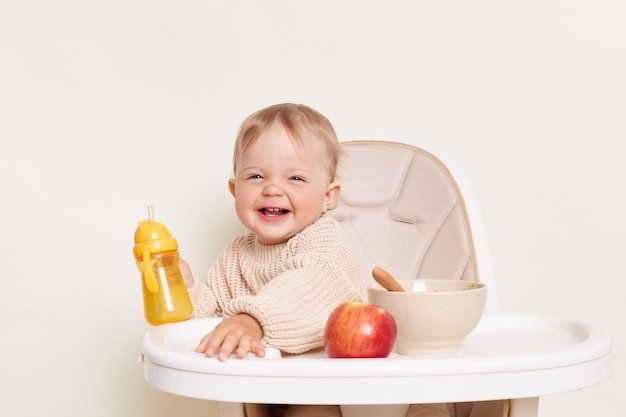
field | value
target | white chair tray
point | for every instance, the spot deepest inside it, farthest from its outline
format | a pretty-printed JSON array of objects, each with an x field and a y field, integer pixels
[{"x": 506, "y": 356}]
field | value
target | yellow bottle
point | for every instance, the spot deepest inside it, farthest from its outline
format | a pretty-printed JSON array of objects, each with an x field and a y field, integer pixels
[{"x": 165, "y": 298}]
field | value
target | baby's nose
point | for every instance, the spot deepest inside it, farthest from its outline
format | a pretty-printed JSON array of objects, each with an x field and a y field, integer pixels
[{"x": 272, "y": 188}]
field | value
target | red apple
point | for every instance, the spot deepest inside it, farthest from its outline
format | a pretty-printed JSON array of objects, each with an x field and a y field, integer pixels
[{"x": 359, "y": 330}]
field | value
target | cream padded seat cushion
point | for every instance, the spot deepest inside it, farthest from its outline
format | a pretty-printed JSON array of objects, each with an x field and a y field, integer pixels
[{"x": 402, "y": 210}]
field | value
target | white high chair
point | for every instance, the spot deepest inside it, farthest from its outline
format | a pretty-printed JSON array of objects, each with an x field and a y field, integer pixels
[{"x": 407, "y": 211}]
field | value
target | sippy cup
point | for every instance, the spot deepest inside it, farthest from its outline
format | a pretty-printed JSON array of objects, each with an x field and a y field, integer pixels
[{"x": 165, "y": 297}]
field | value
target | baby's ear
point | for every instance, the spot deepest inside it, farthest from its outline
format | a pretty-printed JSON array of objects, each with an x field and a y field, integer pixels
[
  {"x": 231, "y": 186},
  {"x": 332, "y": 196}
]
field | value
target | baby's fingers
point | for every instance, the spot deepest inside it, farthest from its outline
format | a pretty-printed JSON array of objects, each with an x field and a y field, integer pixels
[
  {"x": 258, "y": 349},
  {"x": 208, "y": 345},
  {"x": 185, "y": 271},
  {"x": 239, "y": 334},
  {"x": 230, "y": 343},
  {"x": 247, "y": 344},
  {"x": 218, "y": 343}
]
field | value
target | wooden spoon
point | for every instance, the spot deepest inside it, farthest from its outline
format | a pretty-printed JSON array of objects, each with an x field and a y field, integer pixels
[{"x": 386, "y": 280}]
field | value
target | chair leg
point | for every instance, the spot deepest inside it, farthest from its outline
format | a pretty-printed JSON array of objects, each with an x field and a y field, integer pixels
[
  {"x": 524, "y": 407},
  {"x": 224, "y": 409}
]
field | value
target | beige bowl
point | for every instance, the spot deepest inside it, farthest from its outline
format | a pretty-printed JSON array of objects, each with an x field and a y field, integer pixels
[{"x": 434, "y": 322}]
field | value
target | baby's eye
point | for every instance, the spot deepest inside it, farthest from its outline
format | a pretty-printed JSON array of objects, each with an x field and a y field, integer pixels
[
  {"x": 253, "y": 177},
  {"x": 297, "y": 178}
]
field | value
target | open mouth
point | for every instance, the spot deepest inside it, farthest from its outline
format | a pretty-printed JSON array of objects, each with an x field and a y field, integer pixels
[{"x": 273, "y": 211}]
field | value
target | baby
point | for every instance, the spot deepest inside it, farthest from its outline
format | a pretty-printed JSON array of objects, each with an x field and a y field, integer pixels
[{"x": 277, "y": 284}]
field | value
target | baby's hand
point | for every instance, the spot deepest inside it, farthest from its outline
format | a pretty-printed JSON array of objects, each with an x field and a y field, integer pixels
[
  {"x": 186, "y": 273},
  {"x": 240, "y": 334}
]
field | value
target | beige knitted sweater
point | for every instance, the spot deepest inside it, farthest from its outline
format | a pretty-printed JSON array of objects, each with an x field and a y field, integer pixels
[{"x": 290, "y": 288}]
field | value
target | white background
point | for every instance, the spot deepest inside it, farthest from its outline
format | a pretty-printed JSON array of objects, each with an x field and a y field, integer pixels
[{"x": 107, "y": 107}]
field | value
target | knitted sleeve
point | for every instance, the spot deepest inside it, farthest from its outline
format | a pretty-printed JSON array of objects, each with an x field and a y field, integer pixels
[
  {"x": 203, "y": 301},
  {"x": 319, "y": 272},
  {"x": 223, "y": 283}
]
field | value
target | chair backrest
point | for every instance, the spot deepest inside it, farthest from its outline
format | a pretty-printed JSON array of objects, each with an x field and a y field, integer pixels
[{"x": 403, "y": 210}]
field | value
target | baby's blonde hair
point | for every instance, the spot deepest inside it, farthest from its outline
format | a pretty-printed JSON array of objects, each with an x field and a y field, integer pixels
[{"x": 297, "y": 119}]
